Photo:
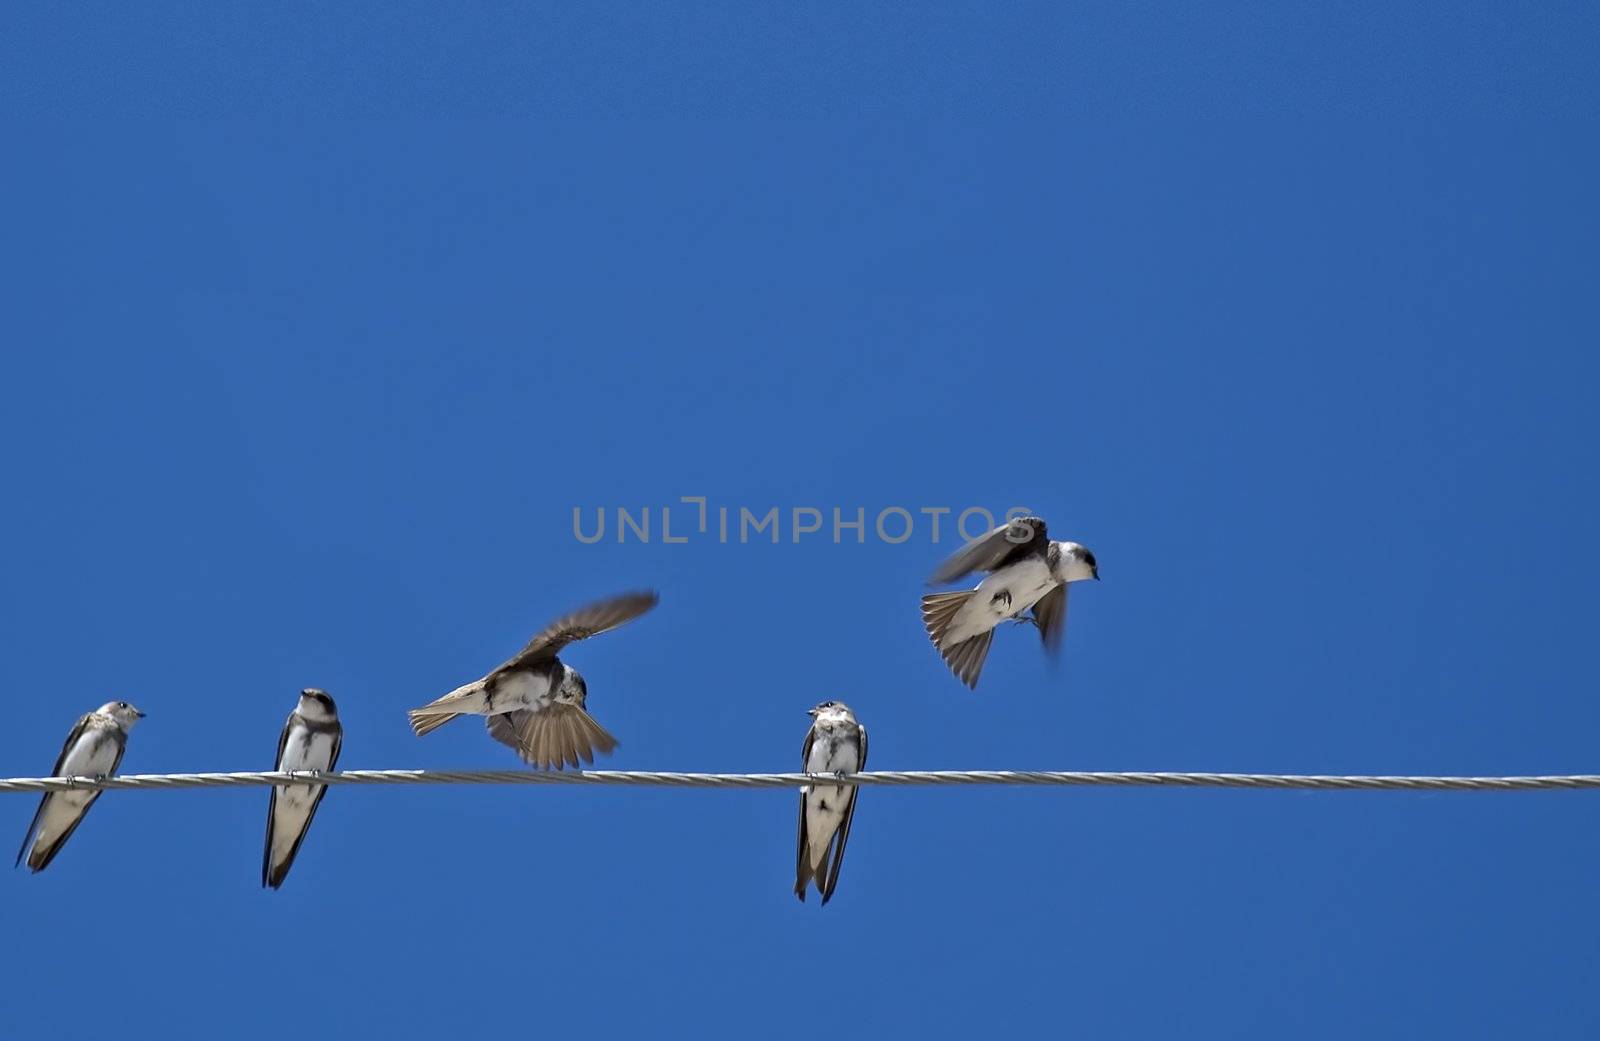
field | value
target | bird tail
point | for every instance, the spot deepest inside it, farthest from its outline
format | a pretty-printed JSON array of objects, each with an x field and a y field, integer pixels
[
  {"x": 425, "y": 722},
  {"x": 802, "y": 871},
  {"x": 966, "y": 658},
  {"x": 939, "y": 612},
  {"x": 469, "y": 697}
]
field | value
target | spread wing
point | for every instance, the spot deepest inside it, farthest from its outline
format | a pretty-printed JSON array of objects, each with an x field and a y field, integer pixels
[
  {"x": 1010, "y": 542},
  {"x": 1050, "y": 615},
  {"x": 580, "y": 625},
  {"x": 552, "y": 737}
]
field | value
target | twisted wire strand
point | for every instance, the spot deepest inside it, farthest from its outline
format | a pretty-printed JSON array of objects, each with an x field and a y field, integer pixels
[{"x": 875, "y": 778}]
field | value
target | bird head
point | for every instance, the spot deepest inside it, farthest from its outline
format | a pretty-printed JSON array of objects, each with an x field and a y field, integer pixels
[
  {"x": 317, "y": 704},
  {"x": 1076, "y": 563},
  {"x": 124, "y": 714},
  {"x": 573, "y": 689},
  {"x": 831, "y": 710}
]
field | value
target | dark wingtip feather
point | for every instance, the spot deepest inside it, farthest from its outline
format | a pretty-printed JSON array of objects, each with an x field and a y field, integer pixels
[{"x": 966, "y": 658}]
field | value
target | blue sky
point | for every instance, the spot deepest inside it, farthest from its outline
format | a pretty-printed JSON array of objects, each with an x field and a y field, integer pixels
[{"x": 322, "y": 321}]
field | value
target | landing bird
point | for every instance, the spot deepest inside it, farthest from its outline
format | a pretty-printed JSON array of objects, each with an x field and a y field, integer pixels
[
  {"x": 310, "y": 741},
  {"x": 835, "y": 744},
  {"x": 535, "y": 702},
  {"x": 1026, "y": 570},
  {"x": 93, "y": 749}
]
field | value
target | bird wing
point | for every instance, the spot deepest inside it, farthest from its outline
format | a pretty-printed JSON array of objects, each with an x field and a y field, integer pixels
[
  {"x": 552, "y": 737},
  {"x": 581, "y": 624},
  {"x": 802, "y": 867},
  {"x": 842, "y": 836},
  {"x": 272, "y": 801},
  {"x": 1011, "y": 541},
  {"x": 43, "y": 856},
  {"x": 274, "y": 874},
  {"x": 78, "y": 730},
  {"x": 966, "y": 658},
  {"x": 1050, "y": 615}
]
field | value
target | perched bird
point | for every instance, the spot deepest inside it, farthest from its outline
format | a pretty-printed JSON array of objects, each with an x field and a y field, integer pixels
[
  {"x": 535, "y": 702},
  {"x": 835, "y": 744},
  {"x": 1026, "y": 570},
  {"x": 310, "y": 741},
  {"x": 93, "y": 749}
]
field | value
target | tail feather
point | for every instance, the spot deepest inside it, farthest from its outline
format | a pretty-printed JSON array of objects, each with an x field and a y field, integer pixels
[
  {"x": 966, "y": 658},
  {"x": 939, "y": 613},
  {"x": 47, "y": 845},
  {"x": 467, "y": 698},
  {"x": 424, "y": 722}
]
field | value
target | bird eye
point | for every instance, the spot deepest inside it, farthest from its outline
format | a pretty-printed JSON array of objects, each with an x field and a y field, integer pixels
[{"x": 122, "y": 704}]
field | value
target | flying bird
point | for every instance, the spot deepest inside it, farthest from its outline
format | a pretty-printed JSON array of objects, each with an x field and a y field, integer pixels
[
  {"x": 835, "y": 744},
  {"x": 310, "y": 741},
  {"x": 535, "y": 702},
  {"x": 1026, "y": 571},
  {"x": 93, "y": 749}
]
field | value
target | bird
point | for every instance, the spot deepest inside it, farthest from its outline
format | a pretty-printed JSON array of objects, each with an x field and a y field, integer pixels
[
  {"x": 310, "y": 741},
  {"x": 535, "y": 702},
  {"x": 1026, "y": 570},
  {"x": 835, "y": 744},
  {"x": 93, "y": 749}
]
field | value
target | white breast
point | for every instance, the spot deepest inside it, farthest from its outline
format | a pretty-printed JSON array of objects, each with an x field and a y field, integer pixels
[
  {"x": 307, "y": 750},
  {"x": 830, "y": 754},
  {"x": 1025, "y": 582},
  {"x": 821, "y": 752},
  {"x": 825, "y": 803},
  {"x": 92, "y": 755},
  {"x": 521, "y": 690}
]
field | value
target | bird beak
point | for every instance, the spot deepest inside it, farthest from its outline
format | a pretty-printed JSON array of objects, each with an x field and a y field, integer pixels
[
  {"x": 137, "y": 714},
  {"x": 1097, "y": 574}
]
